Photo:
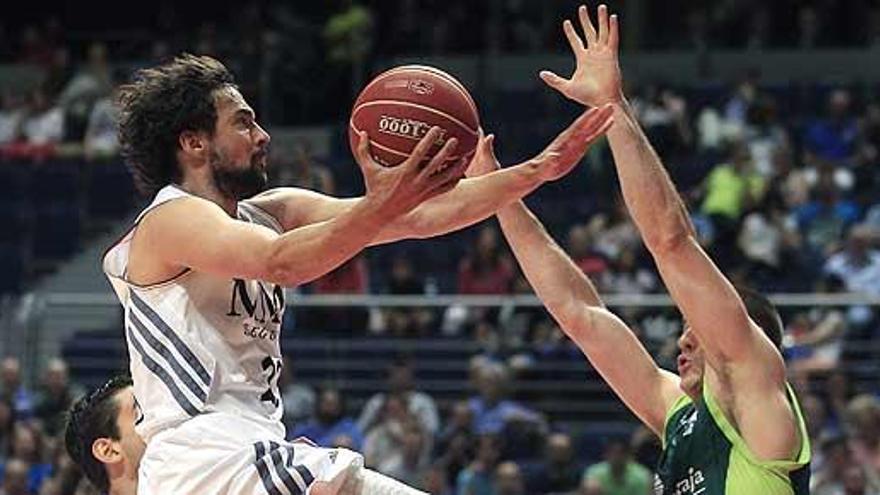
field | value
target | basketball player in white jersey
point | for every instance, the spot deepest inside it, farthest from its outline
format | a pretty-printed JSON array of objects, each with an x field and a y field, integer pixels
[{"x": 200, "y": 274}]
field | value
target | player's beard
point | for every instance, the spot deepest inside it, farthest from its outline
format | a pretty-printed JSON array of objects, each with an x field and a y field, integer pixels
[{"x": 238, "y": 182}]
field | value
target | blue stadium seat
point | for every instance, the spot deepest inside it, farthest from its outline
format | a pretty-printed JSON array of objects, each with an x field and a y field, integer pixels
[
  {"x": 110, "y": 191},
  {"x": 12, "y": 269},
  {"x": 58, "y": 180},
  {"x": 56, "y": 230}
]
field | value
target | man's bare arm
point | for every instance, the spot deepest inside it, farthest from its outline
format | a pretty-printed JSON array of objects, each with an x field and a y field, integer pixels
[
  {"x": 743, "y": 363},
  {"x": 198, "y": 234},
  {"x": 471, "y": 201},
  {"x": 571, "y": 298}
]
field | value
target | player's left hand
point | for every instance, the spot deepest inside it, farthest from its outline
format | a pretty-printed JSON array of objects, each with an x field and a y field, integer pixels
[
  {"x": 596, "y": 79},
  {"x": 566, "y": 151}
]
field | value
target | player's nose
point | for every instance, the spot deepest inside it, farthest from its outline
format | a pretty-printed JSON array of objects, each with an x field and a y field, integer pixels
[{"x": 263, "y": 137}]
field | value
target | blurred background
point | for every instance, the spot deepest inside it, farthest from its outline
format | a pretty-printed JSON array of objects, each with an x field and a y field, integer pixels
[{"x": 433, "y": 357}]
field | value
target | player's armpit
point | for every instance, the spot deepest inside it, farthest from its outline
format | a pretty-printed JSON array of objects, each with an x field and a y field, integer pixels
[
  {"x": 760, "y": 412},
  {"x": 616, "y": 353}
]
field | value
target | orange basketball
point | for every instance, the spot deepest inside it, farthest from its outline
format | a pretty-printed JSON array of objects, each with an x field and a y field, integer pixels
[{"x": 399, "y": 106}]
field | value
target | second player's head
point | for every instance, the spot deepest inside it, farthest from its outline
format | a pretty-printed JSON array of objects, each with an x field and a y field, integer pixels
[
  {"x": 691, "y": 360},
  {"x": 100, "y": 436},
  {"x": 186, "y": 120}
]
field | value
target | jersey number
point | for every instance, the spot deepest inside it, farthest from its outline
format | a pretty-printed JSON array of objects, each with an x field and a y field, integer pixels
[{"x": 273, "y": 368}]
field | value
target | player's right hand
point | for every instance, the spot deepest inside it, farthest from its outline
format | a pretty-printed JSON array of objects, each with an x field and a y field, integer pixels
[
  {"x": 397, "y": 190},
  {"x": 596, "y": 79}
]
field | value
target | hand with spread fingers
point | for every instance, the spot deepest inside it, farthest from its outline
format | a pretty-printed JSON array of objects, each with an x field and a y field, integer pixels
[
  {"x": 561, "y": 155},
  {"x": 596, "y": 79},
  {"x": 399, "y": 189}
]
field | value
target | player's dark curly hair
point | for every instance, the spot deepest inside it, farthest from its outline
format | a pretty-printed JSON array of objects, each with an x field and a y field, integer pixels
[
  {"x": 90, "y": 418},
  {"x": 157, "y": 106}
]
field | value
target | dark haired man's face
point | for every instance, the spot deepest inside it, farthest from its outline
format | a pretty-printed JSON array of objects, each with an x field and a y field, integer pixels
[
  {"x": 240, "y": 147},
  {"x": 127, "y": 415}
]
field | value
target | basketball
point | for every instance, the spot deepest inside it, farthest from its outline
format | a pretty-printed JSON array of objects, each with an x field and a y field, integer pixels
[{"x": 399, "y": 106}]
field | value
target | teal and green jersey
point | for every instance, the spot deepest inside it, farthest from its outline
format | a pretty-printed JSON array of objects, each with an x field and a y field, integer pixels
[{"x": 703, "y": 454}]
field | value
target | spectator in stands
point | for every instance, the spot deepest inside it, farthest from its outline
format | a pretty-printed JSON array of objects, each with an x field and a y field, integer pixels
[
  {"x": 628, "y": 277},
  {"x": 834, "y": 138},
  {"x": 863, "y": 420},
  {"x": 732, "y": 187},
  {"x": 92, "y": 82},
  {"x": 11, "y": 115},
  {"x": 558, "y": 471},
  {"x": 411, "y": 465},
  {"x": 28, "y": 446},
  {"x": 435, "y": 480},
  {"x": 7, "y": 423},
  {"x": 331, "y": 427},
  {"x": 352, "y": 277},
  {"x": 383, "y": 444},
  {"x": 617, "y": 233},
  {"x": 764, "y": 135},
  {"x": 455, "y": 443},
  {"x": 824, "y": 220},
  {"x": 34, "y": 48},
  {"x": 818, "y": 426},
  {"x": 858, "y": 265},
  {"x": 743, "y": 96},
  {"x": 829, "y": 479},
  {"x": 809, "y": 33},
  {"x": 493, "y": 412},
  {"x": 100, "y": 138},
  {"x": 55, "y": 398},
  {"x": 298, "y": 397},
  {"x": 663, "y": 115},
  {"x": 13, "y": 391},
  {"x": 15, "y": 478},
  {"x": 309, "y": 173},
  {"x": 855, "y": 482},
  {"x": 618, "y": 474},
  {"x": 592, "y": 262},
  {"x": 509, "y": 480},
  {"x": 402, "y": 322},
  {"x": 401, "y": 382},
  {"x": 816, "y": 340},
  {"x": 486, "y": 269},
  {"x": 477, "y": 478},
  {"x": 43, "y": 122}
]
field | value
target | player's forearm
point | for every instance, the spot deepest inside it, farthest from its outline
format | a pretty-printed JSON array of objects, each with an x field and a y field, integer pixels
[
  {"x": 472, "y": 200},
  {"x": 575, "y": 304},
  {"x": 558, "y": 282},
  {"x": 651, "y": 197},
  {"x": 306, "y": 253}
]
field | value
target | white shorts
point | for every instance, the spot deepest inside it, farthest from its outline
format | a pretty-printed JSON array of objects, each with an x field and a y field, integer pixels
[{"x": 219, "y": 454}]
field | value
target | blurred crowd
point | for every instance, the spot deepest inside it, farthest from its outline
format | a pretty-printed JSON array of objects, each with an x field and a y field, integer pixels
[
  {"x": 487, "y": 442},
  {"x": 279, "y": 49}
]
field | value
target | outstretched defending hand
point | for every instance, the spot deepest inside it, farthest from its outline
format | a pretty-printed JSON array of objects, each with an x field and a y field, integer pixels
[
  {"x": 561, "y": 155},
  {"x": 596, "y": 79}
]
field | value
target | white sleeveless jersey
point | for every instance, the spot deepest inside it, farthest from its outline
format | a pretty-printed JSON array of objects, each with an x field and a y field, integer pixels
[{"x": 200, "y": 343}]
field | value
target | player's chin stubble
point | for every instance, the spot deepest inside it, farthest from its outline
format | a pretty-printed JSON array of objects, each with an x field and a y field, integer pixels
[{"x": 239, "y": 182}]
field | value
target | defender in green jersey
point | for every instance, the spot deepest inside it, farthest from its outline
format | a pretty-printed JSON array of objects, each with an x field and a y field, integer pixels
[{"x": 729, "y": 422}]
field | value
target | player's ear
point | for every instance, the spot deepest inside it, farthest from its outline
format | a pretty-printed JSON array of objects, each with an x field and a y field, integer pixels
[
  {"x": 192, "y": 142},
  {"x": 106, "y": 450}
]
